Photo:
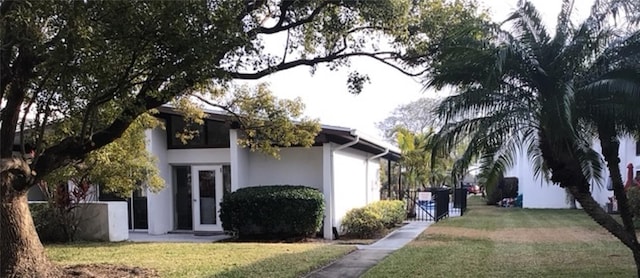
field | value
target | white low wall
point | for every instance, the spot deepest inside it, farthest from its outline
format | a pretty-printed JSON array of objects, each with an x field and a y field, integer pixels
[{"x": 105, "y": 221}]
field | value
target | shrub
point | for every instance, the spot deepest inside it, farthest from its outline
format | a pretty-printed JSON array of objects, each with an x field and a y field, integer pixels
[
  {"x": 504, "y": 188},
  {"x": 392, "y": 211},
  {"x": 48, "y": 224},
  {"x": 277, "y": 211},
  {"x": 363, "y": 222},
  {"x": 634, "y": 200}
]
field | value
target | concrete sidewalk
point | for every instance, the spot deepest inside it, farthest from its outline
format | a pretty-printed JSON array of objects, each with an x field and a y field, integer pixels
[{"x": 358, "y": 262}]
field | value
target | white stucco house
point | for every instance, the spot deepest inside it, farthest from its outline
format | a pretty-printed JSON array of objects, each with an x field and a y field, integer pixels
[
  {"x": 539, "y": 193},
  {"x": 343, "y": 164}
]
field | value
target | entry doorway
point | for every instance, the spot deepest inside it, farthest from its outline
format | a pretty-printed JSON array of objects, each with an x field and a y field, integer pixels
[
  {"x": 207, "y": 195},
  {"x": 198, "y": 193}
]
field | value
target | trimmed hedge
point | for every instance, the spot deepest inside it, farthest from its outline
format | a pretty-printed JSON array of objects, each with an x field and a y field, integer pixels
[
  {"x": 276, "y": 211},
  {"x": 371, "y": 220}
]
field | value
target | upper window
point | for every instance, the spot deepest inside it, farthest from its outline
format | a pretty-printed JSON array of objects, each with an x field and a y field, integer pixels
[
  {"x": 211, "y": 134},
  {"x": 637, "y": 148}
]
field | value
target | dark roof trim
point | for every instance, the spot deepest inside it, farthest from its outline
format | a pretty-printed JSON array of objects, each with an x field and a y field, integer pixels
[{"x": 333, "y": 134}]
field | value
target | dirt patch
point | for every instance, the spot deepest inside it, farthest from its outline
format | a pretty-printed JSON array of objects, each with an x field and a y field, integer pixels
[
  {"x": 108, "y": 270},
  {"x": 527, "y": 235}
]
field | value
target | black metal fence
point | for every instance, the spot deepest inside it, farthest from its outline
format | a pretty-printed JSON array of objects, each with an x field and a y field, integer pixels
[{"x": 435, "y": 204}]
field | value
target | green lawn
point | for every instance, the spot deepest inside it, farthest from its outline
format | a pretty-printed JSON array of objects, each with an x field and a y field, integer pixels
[
  {"x": 510, "y": 242},
  {"x": 205, "y": 259}
]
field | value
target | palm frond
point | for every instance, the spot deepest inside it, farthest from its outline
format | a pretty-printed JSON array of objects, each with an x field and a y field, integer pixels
[
  {"x": 528, "y": 23},
  {"x": 563, "y": 25}
]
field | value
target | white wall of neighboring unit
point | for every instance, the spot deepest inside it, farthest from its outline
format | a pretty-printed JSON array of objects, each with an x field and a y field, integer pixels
[
  {"x": 296, "y": 166},
  {"x": 538, "y": 193},
  {"x": 105, "y": 221},
  {"x": 160, "y": 205},
  {"x": 349, "y": 182}
]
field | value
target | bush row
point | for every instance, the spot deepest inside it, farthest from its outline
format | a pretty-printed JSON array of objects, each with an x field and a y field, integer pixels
[
  {"x": 277, "y": 211},
  {"x": 372, "y": 220}
]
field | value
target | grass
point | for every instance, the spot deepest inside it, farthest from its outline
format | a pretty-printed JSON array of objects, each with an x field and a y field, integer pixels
[
  {"x": 205, "y": 259},
  {"x": 510, "y": 242}
]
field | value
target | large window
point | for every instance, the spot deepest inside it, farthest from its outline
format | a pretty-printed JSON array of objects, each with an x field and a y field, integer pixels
[{"x": 211, "y": 134}]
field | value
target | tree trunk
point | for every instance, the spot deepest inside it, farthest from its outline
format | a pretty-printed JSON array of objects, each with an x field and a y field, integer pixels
[
  {"x": 566, "y": 172},
  {"x": 610, "y": 149},
  {"x": 21, "y": 253}
]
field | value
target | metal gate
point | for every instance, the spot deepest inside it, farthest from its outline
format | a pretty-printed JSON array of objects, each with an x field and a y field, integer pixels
[{"x": 435, "y": 204}]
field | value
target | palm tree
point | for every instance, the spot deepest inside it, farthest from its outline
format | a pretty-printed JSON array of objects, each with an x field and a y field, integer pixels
[{"x": 523, "y": 89}]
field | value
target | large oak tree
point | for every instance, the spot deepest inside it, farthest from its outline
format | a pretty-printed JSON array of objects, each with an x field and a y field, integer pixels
[{"x": 107, "y": 62}]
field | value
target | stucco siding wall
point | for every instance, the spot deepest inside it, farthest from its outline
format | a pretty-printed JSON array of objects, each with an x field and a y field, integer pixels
[
  {"x": 350, "y": 182},
  {"x": 160, "y": 205},
  {"x": 198, "y": 156},
  {"x": 374, "y": 186},
  {"x": 239, "y": 159},
  {"x": 296, "y": 166}
]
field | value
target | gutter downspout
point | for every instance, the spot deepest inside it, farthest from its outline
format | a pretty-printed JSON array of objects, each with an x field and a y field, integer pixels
[
  {"x": 333, "y": 180},
  {"x": 386, "y": 151}
]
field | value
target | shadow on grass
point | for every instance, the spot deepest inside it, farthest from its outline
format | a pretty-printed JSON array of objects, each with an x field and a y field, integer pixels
[{"x": 289, "y": 265}]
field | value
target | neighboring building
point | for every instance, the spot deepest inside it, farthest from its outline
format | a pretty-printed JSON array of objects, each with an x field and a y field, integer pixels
[
  {"x": 343, "y": 164},
  {"x": 539, "y": 193}
]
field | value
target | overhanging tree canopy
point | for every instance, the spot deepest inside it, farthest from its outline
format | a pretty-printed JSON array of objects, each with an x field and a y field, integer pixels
[{"x": 107, "y": 62}]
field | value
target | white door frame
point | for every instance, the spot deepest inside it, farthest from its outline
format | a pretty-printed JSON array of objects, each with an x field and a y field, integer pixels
[{"x": 195, "y": 194}]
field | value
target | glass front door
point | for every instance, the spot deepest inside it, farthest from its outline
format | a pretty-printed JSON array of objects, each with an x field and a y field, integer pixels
[{"x": 207, "y": 195}]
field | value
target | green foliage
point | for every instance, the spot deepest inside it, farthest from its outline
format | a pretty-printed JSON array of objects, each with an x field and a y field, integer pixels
[
  {"x": 120, "y": 167},
  {"x": 277, "y": 211},
  {"x": 371, "y": 220},
  {"x": 422, "y": 167},
  {"x": 633, "y": 194},
  {"x": 270, "y": 123},
  {"x": 48, "y": 223},
  {"x": 392, "y": 212},
  {"x": 59, "y": 218},
  {"x": 363, "y": 223}
]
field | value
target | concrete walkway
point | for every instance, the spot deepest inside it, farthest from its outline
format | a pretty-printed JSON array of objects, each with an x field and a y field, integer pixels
[{"x": 358, "y": 262}]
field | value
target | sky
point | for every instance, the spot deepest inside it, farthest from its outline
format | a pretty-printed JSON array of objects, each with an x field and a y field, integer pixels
[{"x": 325, "y": 92}]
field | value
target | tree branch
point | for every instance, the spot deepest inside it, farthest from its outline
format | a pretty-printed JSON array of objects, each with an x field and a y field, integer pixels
[
  {"x": 279, "y": 27},
  {"x": 75, "y": 148},
  {"x": 24, "y": 66},
  {"x": 325, "y": 59}
]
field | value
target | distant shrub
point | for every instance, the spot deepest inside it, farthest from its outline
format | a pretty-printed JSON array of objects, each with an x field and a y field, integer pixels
[
  {"x": 392, "y": 211},
  {"x": 634, "y": 200},
  {"x": 363, "y": 223},
  {"x": 277, "y": 211},
  {"x": 504, "y": 188}
]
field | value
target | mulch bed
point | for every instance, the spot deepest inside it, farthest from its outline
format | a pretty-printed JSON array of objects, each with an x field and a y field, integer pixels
[{"x": 108, "y": 270}]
